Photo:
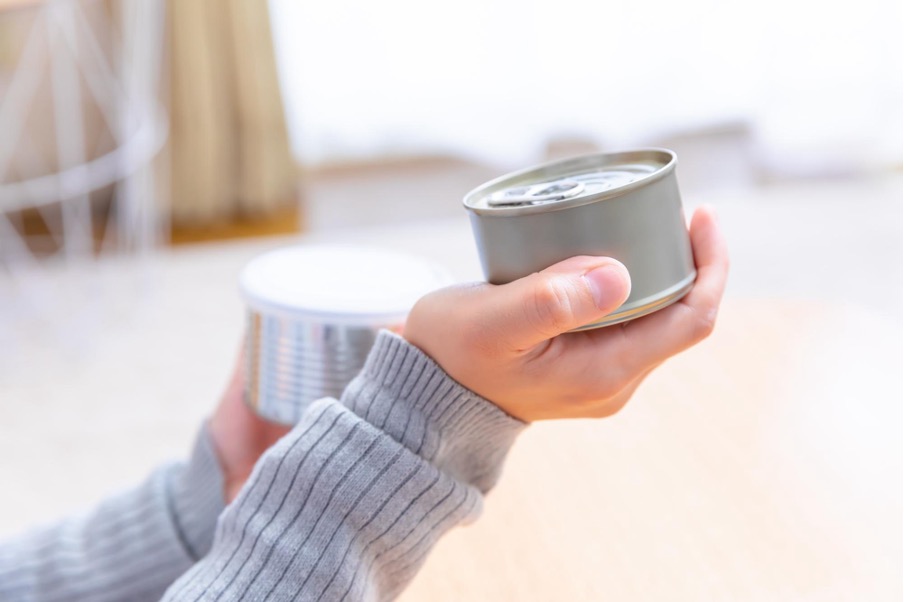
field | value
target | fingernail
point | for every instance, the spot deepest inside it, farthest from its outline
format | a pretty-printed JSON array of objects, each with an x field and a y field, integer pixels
[{"x": 609, "y": 284}]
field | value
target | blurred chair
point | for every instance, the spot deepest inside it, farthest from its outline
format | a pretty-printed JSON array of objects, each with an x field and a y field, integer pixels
[
  {"x": 87, "y": 171},
  {"x": 80, "y": 125}
]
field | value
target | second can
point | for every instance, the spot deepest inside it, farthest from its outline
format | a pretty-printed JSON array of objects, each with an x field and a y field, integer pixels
[{"x": 622, "y": 205}]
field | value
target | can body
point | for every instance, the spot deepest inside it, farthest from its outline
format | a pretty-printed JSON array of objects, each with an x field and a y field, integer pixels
[
  {"x": 314, "y": 312},
  {"x": 292, "y": 361},
  {"x": 641, "y": 224}
]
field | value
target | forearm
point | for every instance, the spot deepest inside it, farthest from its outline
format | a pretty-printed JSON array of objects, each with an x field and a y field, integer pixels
[
  {"x": 349, "y": 503},
  {"x": 132, "y": 546}
]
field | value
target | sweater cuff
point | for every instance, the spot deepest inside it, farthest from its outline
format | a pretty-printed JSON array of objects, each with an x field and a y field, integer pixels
[
  {"x": 406, "y": 394},
  {"x": 196, "y": 495}
]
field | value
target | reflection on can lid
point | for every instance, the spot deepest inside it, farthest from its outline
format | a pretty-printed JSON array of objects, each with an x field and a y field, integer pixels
[
  {"x": 570, "y": 182},
  {"x": 532, "y": 194}
]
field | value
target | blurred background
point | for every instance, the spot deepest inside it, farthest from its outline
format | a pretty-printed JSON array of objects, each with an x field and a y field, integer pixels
[{"x": 150, "y": 148}]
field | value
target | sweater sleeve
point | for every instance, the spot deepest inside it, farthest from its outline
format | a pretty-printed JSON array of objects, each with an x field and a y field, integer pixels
[
  {"x": 130, "y": 547},
  {"x": 348, "y": 504}
]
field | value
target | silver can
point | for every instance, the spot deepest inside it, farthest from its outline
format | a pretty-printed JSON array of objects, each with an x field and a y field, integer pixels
[
  {"x": 623, "y": 205},
  {"x": 314, "y": 312}
]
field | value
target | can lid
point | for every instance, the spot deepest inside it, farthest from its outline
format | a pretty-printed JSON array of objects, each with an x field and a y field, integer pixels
[
  {"x": 569, "y": 182},
  {"x": 565, "y": 187},
  {"x": 339, "y": 284}
]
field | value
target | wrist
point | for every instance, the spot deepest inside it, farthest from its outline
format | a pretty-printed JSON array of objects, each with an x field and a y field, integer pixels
[{"x": 405, "y": 393}]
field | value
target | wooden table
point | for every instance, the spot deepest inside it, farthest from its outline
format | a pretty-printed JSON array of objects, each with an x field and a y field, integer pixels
[{"x": 764, "y": 465}]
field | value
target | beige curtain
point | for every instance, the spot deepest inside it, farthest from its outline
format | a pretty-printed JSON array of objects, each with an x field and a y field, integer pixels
[{"x": 228, "y": 147}]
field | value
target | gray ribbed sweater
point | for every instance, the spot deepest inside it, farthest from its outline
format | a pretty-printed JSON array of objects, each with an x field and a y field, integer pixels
[{"x": 344, "y": 507}]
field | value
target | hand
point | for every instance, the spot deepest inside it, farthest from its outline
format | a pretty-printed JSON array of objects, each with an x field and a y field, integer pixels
[
  {"x": 506, "y": 342},
  {"x": 239, "y": 435}
]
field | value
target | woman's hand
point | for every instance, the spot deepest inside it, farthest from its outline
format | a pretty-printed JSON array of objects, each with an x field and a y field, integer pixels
[
  {"x": 239, "y": 435},
  {"x": 506, "y": 342}
]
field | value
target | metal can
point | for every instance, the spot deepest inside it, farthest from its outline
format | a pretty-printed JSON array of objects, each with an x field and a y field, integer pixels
[
  {"x": 314, "y": 312},
  {"x": 622, "y": 205}
]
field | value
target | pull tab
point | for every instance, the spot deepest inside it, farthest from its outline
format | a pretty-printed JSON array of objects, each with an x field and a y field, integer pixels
[{"x": 536, "y": 194}]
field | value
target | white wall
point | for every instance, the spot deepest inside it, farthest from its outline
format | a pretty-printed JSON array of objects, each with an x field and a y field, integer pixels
[{"x": 818, "y": 82}]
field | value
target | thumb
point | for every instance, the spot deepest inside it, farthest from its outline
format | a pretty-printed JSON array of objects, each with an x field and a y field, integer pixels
[{"x": 565, "y": 296}]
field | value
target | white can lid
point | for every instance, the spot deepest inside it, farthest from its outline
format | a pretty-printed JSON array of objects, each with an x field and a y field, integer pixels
[{"x": 339, "y": 284}]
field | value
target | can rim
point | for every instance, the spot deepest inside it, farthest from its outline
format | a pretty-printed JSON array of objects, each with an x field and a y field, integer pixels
[
  {"x": 266, "y": 292},
  {"x": 580, "y": 162}
]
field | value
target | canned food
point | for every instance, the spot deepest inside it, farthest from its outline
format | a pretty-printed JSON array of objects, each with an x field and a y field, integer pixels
[
  {"x": 314, "y": 312},
  {"x": 623, "y": 205}
]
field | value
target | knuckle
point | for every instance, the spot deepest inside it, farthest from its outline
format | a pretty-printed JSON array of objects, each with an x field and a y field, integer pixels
[
  {"x": 704, "y": 324},
  {"x": 549, "y": 308},
  {"x": 599, "y": 404},
  {"x": 608, "y": 410},
  {"x": 603, "y": 388},
  {"x": 605, "y": 391},
  {"x": 698, "y": 322}
]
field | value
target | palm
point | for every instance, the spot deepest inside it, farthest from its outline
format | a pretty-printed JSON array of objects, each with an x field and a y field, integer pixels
[{"x": 240, "y": 436}]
